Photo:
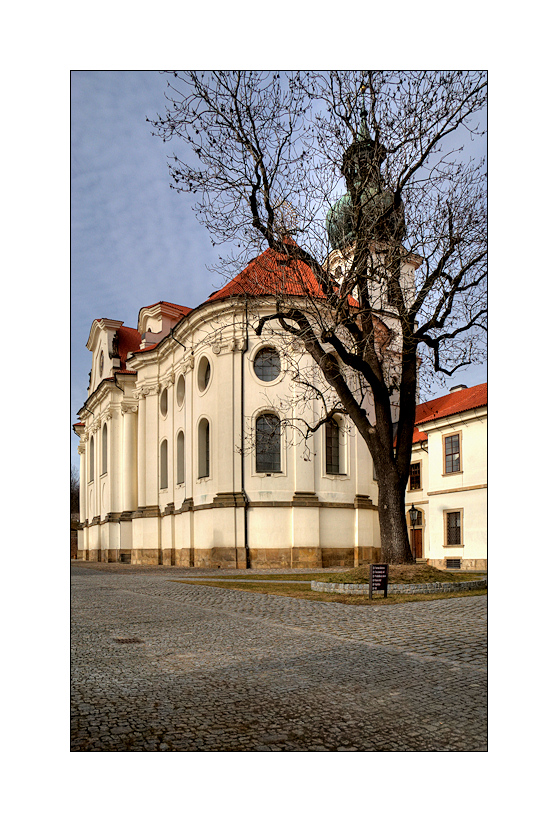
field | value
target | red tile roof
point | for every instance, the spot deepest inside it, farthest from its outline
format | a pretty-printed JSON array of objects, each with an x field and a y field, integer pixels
[
  {"x": 273, "y": 274},
  {"x": 455, "y": 403},
  {"x": 464, "y": 400},
  {"x": 128, "y": 340}
]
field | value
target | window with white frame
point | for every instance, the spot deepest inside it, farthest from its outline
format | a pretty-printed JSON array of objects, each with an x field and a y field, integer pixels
[
  {"x": 268, "y": 444},
  {"x": 164, "y": 474},
  {"x": 91, "y": 459},
  {"x": 180, "y": 391},
  {"x": 203, "y": 449},
  {"x": 414, "y": 477},
  {"x": 164, "y": 403},
  {"x": 267, "y": 364},
  {"x": 104, "y": 450},
  {"x": 204, "y": 374},
  {"x": 180, "y": 458},
  {"x": 335, "y": 447},
  {"x": 452, "y": 454},
  {"x": 454, "y": 527}
]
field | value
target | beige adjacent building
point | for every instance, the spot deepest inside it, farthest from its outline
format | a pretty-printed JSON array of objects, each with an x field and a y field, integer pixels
[{"x": 448, "y": 483}]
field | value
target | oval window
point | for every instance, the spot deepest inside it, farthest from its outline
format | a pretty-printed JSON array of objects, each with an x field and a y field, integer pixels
[
  {"x": 204, "y": 373},
  {"x": 180, "y": 390},
  {"x": 164, "y": 402},
  {"x": 267, "y": 364}
]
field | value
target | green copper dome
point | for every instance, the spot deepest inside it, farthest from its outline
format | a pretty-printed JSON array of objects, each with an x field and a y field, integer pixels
[{"x": 361, "y": 168}]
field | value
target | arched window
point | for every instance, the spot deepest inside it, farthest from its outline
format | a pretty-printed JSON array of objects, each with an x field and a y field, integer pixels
[
  {"x": 180, "y": 458},
  {"x": 164, "y": 465},
  {"x": 268, "y": 444},
  {"x": 336, "y": 447},
  {"x": 332, "y": 447},
  {"x": 267, "y": 364},
  {"x": 104, "y": 450},
  {"x": 91, "y": 460},
  {"x": 203, "y": 449}
]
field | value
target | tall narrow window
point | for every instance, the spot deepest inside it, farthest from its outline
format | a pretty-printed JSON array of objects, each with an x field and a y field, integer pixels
[
  {"x": 414, "y": 477},
  {"x": 164, "y": 465},
  {"x": 164, "y": 403},
  {"x": 180, "y": 458},
  {"x": 204, "y": 374},
  {"x": 203, "y": 449},
  {"x": 452, "y": 454},
  {"x": 453, "y": 528},
  {"x": 180, "y": 391},
  {"x": 91, "y": 460},
  {"x": 268, "y": 444},
  {"x": 332, "y": 447},
  {"x": 104, "y": 450}
]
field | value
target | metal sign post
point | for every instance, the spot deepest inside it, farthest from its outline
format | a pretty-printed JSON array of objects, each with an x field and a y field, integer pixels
[{"x": 378, "y": 579}]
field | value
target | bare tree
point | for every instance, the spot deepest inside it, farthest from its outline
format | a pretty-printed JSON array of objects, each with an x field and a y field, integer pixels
[
  {"x": 74, "y": 490},
  {"x": 399, "y": 258}
]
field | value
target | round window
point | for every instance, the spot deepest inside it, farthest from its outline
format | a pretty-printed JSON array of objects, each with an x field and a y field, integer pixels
[
  {"x": 164, "y": 402},
  {"x": 204, "y": 373},
  {"x": 180, "y": 390},
  {"x": 267, "y": 364}
]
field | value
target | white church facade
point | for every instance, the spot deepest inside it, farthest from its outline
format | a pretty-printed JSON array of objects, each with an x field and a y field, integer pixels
[
  {"x": 186, "y": 458},
  {"x": 184, "y": 455}
]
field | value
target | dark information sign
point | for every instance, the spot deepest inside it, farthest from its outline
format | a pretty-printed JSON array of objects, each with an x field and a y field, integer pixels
[{"x": 378, "y": 579}]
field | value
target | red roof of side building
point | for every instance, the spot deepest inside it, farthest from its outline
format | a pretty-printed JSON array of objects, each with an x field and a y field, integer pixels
[
  {"x": 271, "y": 274},
  {"x": 455, "y": 403}
]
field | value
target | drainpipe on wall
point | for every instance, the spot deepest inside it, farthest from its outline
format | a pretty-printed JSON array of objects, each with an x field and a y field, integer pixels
[{"x": 244, "y": 494}]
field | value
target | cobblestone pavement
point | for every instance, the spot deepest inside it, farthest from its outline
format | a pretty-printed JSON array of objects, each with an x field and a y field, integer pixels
[{"x": 162, "y": 666}]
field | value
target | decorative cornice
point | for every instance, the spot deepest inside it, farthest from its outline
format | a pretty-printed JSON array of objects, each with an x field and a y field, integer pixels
[
  {"x": 456, "y": 490},
  {"x": 364, "y": 501},
  {"x": 305, "y": 499},
  {"x": 147, "y": 390}
]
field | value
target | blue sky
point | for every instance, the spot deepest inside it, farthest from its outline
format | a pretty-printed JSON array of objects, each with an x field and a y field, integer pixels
[{"x": 134, "y": 241}]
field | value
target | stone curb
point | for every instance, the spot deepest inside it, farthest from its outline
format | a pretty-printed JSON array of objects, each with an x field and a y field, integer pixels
[{"x": 418, "y": 588}]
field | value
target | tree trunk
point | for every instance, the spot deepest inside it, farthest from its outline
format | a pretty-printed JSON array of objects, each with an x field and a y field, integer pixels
[{"x": 393, "y": 527}]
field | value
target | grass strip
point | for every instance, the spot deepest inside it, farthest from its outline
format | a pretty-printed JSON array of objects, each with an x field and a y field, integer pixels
[{"x": 304, "y": 592}]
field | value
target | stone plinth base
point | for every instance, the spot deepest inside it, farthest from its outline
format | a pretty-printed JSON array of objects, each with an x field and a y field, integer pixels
[{"x": 466, "y": 564}]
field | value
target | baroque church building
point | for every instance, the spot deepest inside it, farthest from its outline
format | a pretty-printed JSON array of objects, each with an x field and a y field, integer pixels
[{"x": 184, "y": 455}]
